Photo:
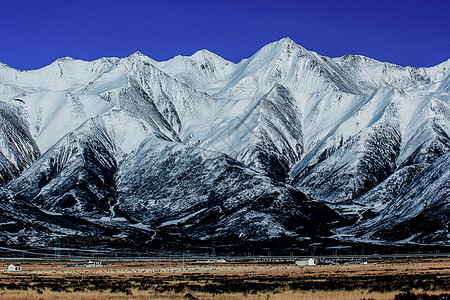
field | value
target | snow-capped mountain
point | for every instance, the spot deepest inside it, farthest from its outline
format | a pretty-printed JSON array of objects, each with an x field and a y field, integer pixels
[{"x": 284, "y": 144}]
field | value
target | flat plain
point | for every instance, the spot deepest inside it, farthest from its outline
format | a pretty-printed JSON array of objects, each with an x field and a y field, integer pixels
[{"x": 190, "y": 279}]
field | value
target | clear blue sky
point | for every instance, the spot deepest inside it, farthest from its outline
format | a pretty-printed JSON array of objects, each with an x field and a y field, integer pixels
[{"x": 406, "y": 32}]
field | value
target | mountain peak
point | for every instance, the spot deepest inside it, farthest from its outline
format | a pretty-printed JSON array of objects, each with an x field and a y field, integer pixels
[
  {"x": 63, "y": 59},
  {"x": 285, "y": 45},
  {"x": 137, "y": 54},
  {"x": 202, "y": 54},
  {"x": 138, "y": 57},
  {"x": 5, "y": 66},
  {"x": 205, "y": 55},
  {"x": 287, "y": 42},
  {"x": 277, "y": 51}
]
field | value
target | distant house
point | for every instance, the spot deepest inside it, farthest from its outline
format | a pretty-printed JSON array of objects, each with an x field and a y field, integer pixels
[
  {"x": 305, "y": 262},
  {"x": 94, "y": 263},
  {"x": 14, "y": 267}
]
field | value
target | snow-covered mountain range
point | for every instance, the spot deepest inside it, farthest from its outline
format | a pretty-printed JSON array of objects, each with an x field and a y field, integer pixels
[{"x": 284, "y": 144}]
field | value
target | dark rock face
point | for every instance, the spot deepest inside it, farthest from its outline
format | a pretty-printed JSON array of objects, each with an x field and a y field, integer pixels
[
  {"x": 379, "y": 159},
  {"x": 7, "y": 169},
  {"x": 417, "y": 212},
  {"x": 279, "y": 123},
  {"x": 18, "y": 149},
  {"x": 76, "y": 176},
  {"x": 24, "y": 224},
  {"x": 207, "y": 195}
]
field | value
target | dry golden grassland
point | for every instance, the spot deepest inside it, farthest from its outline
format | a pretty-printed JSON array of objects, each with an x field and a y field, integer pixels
[{"x": 152, "y": 280}]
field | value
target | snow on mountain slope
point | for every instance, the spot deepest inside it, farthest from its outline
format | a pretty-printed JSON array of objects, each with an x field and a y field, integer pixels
[
  {"x": 369, "y": 74},
  {"x": 199, "y": 70},
  {"x": 417, "y": 155},
  {"x": 343, "y": 161},
  {"x": 52, "y": 114},
  {"x": 50, "y": 97},
  {"x": 117, "y": 133},
  {"x": 328, "y": 93},
  {"x": 81, "y": 90},
  {"x": 64, "y": 73},
  {"x": 282, "y": 62},
  {"x": 179, "y": 103}
]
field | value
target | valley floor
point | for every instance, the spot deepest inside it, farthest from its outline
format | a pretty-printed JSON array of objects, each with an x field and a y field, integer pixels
[{"x": 387, "y": 279}]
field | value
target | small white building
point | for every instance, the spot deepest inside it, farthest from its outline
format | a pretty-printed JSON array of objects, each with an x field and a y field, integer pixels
[
  {"x": 94, "y": 263},
  {"x": 14, "y": 267},
  {"x": 305, "y": 262}
]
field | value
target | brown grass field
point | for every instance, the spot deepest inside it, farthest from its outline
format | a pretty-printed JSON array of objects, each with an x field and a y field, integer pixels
[{"x": 400, "y": 279}]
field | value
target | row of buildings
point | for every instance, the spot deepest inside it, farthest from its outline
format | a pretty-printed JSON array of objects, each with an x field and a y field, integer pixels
[{"x": 17, "y": 267}]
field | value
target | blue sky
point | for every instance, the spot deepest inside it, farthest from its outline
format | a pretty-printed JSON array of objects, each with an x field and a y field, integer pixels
[{"x": 35, "y": 33}]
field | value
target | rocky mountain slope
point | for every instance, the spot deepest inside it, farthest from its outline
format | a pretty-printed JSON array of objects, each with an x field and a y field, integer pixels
[{"x": 286, "y": 144}]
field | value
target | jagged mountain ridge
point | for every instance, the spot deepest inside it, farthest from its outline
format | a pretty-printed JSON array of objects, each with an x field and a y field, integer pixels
[
  {"x": 352, "y": 108},
  {"x": 341, "y": 130}
]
